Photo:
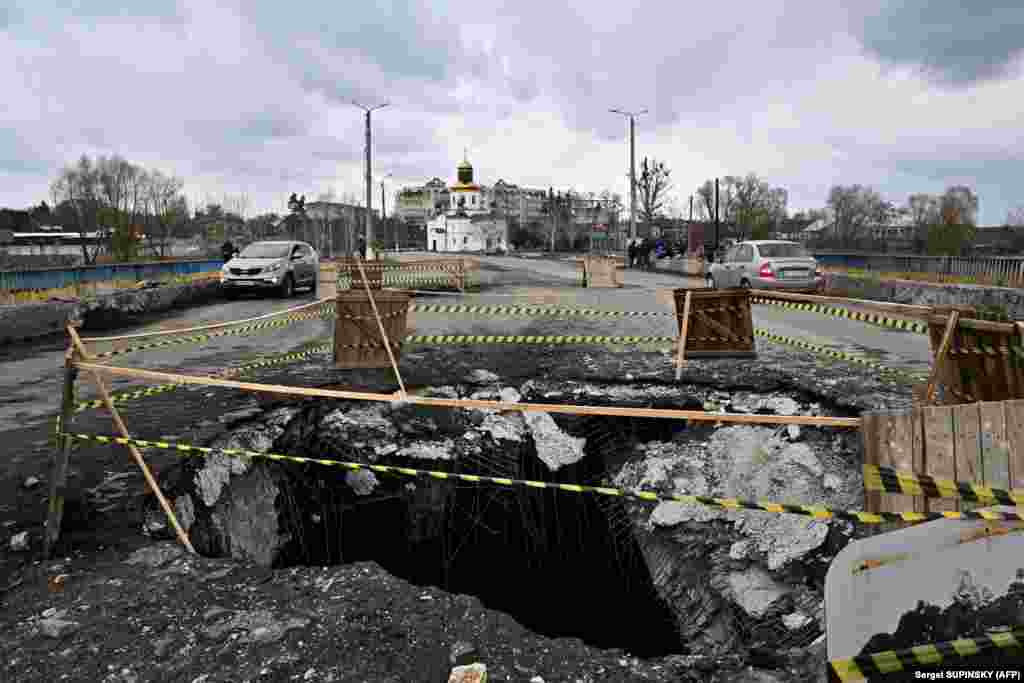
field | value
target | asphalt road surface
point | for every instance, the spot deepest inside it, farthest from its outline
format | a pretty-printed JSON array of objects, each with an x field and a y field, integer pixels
[{"x": 30, "y": 381}]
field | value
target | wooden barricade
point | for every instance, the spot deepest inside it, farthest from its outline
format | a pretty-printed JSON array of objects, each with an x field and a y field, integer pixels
[
  {"x": 978, "y": 360},
  {"x": 720, "y": 323},
  {"x": 456, "y": 273},
  {"x": 348, "y": 273},
  {"x": 601, "y": 271},
  {"x": 357, "y": 341},
  {"x": 981, "y": 443}
]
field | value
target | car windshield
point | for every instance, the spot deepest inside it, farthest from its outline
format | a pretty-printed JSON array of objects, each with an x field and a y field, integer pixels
[
  {"x": 782, "y": 251},
  {"x": 265, "y": 250}
]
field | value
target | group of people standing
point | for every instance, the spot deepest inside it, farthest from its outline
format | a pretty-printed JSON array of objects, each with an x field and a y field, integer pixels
[{"x": 639, "y": 252}]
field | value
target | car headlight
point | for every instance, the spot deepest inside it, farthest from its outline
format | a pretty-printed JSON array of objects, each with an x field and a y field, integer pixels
[
  {"x": 272, "y": 268},
  {"x": 224, "y": 269}
]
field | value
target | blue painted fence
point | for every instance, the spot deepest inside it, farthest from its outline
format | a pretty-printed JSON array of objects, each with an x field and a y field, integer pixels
[
  {"x": 54, "y": 278},
  {"x": 844, "y": 260}
]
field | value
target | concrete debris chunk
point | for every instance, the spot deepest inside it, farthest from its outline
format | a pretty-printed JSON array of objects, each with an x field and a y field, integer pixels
[
  {"x": 462, "y": 653},
  {"x": 57, "y": 628},
  {"x": 428, "y": 450},
  {"x": 781, "y": 405},
  {"x": 474, "y": 673},
  {"x": 257, "y": 626},
  {"x": 755, "y": 591},
  {"x": 154, "y": 556},
  {"x": 555, "y": 448},
  {"x": 363, "y": 482},
  {"x": 19, "y": 542},
  {"x": 795, "y": 621},
  {"x": 480, "y": 376},
  {"x": 31, "y": 483}
]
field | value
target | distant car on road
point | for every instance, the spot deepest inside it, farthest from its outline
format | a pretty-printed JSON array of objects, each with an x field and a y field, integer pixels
[
  {"x": 766, "y": 264},
  {"x": 280, "y": 266}
]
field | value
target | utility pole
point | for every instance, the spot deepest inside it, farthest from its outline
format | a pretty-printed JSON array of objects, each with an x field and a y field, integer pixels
[
  {"x": 632, "y": 166},
  {"x": 691, "y": 208},
  {"x": 716, "y": 216},
  {"x": 369, "y": 179},
  {"x": 383, "y": 205}
]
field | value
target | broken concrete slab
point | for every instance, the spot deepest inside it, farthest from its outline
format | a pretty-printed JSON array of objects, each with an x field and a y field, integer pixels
[
  {"x": 755, "y": 591},
  {"x": 554, "y": 447}
]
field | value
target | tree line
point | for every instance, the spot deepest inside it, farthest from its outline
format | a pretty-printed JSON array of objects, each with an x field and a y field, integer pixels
[
  {"x": 751, "y": 208},
  {"x": 132, "y": 210}
]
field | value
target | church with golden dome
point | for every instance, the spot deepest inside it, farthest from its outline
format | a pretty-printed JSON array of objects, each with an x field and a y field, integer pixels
[{"x": 470, "y": 222}]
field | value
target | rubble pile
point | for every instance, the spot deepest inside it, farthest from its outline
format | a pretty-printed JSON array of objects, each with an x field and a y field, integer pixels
[{"x": 735, "y": 583}]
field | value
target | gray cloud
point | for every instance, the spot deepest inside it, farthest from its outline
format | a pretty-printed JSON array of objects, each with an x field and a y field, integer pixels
[
  {"x": 256, "y": 94},
  {"x": 953, "y": 43}
]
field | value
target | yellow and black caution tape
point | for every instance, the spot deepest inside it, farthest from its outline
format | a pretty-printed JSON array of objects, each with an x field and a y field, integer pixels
[
  {"x": 987, "y": 350},
  {"x": 889, "y": 480},
  {"x": 244, "y": 329},
  {"x": 499, "y": 310},
  {"x": 162, "y": 388},
  {"x": 841, "y": 355},
  {"x": 893, "y": 661},
  {"x": 816, "y": 512},
  {"x": 532, "y": 339},
  {"x": 872, "y": 318}
]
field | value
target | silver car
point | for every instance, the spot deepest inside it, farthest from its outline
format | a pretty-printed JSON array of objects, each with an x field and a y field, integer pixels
[
  {"x": 766, "y": 264},
  {"x": 279, "y": 266}
]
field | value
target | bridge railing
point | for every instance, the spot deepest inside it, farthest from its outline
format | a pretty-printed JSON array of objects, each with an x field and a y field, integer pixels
[
  {"x": 56, "y": 278},
  {"x": 1009, "y": 268}
]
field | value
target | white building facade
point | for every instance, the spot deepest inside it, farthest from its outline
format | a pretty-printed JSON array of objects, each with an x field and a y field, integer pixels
[{"x": 472, "y": 221}]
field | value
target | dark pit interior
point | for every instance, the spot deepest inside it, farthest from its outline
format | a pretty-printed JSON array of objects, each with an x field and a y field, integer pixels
[{"x": 562, "y": 564}]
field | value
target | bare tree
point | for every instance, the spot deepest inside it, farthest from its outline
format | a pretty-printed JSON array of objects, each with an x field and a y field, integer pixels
[
  {"x": 855, "y": 209},
  {"x": 652, "y": 187},
  {"x": 959, "y": 206},
  {"x": 923, "y": 210},
  {"x": 168, "y": 209},
  {"x": 754, "y": 205},
  {"x": 956, "y": 228},
  {"x": 76, "y": 201}
]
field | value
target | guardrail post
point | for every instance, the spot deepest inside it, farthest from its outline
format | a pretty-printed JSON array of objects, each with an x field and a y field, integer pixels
[{"x": 59, "y": 470}]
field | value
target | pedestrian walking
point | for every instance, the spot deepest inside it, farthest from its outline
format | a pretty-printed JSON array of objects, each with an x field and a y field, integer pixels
[
  {"x": 645, "y": 253},
  {"x": 362, "y": 248},
  {"x": 227, "y": 251},
  {"x": 631, "y": 250}
]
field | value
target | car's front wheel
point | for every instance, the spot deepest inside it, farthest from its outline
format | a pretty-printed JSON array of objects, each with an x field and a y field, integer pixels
[{"x": 287, "y": 286}]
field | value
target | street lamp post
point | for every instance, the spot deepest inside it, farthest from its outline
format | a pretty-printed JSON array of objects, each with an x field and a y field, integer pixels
[
  {"x": 632, "y": 165},
  {"x": 369, "y": 179},
  {"x": 383, "y": 206}
]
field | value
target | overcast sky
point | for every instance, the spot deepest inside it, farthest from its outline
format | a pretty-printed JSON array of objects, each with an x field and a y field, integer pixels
[{"x": 254, "y": 95}]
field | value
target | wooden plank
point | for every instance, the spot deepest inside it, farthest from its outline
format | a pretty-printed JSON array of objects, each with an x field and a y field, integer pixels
[
  {"x": 917, "y": 452},
  {"x": 941, "y": 359},
  {"x": 59, "y": 469},
  {"x": 905, "y": 310},
  {"x": 168, "y": 377},
  {"x": 136, "y": 455},
  {"x": 994, "y": 455},
  {"x": 939, "y": 451},
  {"x": 684, "y": 326},
  {"x": 871, "y": 442},
  {"x": 898, "y": 453},
  {"x": 1014, "y": 424},
  {"x": 967, "y": 430},
  {"x": 204, "y": 328}
]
